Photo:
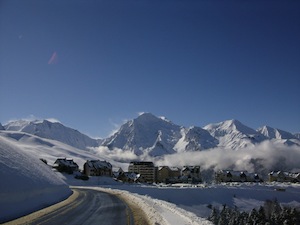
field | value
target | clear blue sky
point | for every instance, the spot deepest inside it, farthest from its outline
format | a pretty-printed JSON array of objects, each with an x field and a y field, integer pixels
[{"x": 93, "y": 64}]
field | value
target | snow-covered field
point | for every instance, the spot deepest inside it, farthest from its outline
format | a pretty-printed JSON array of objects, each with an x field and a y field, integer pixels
[{"x": 189, "y": 204}]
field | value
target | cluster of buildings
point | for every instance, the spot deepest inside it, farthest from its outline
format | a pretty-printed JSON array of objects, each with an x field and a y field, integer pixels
[
  {"x": 147, "y": 172},
  {"x": 144, "y": 172},
  {"x": 242, "y": 176}
]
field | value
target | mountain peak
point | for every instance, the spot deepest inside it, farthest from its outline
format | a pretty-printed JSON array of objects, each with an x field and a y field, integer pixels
[
  {"x": 146, "y": 116},
  {"x": 233, "y": 123},
  {"x": 229, "y": 126},
  {"x": 271, "y": 132},
  {"x": 233, "y": 134}
]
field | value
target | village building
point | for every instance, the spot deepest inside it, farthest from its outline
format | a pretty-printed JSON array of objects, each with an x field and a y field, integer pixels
[
  {"x": 128, "y": 177},
  {"x": 191, "y": 174},
  {"x": 236, "y": 176},
  {"x": 167, "y": 174},
  {"x": 117, "y": 171},
  {"x": 97, "y": 168},
  {"x": 146, "y": 170},
  {"x": 65, "y": 165},
  {"x": 281, "y": 176}
]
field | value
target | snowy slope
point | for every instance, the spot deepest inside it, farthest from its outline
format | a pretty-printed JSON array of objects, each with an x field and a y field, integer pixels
[
  {"x": 195, "y": 139},
  {"x": 275, "y": 133},
  {"x": 233, "y": 134},
  {"x": 1, "y": 127},
  {"x": 51, "y": 149},
  {"x": 54, "y": 131},
  {"x": 27, "y": 184},
  {"x": 156, "y": 136}
]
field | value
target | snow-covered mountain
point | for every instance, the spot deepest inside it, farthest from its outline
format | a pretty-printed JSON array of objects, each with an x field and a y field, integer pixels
[
  {"x": 275, "y": 133},
  {"x": 297, "y": 135},
  {"x": 195, "y": 139},
  {"x": 158, "y": 136},
  {"x": 54, "y": 131},
  {"x": 233, "y": 134},
  {"x": 1, "y": 127},
  {"x": 146, "y": 133}
]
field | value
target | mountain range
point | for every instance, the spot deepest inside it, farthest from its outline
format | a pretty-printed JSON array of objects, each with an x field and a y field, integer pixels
[{"x": 156, "y": 136}]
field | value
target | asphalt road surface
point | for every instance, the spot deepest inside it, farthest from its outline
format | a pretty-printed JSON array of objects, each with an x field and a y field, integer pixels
[{"x": 91, "y": 207}]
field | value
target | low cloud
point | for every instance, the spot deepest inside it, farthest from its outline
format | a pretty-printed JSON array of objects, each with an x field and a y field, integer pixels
[
  {"x": 261, "y": 158},
  {"x": 115, "y": 154}
]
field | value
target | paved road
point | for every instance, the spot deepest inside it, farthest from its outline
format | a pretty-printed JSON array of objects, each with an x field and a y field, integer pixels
[{"x": 91, "y": 207}]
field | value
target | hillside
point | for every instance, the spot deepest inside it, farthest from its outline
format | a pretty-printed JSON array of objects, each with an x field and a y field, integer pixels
[
  {"x": 27, "y": 184},
  {"x": 53, "y": 130},
  {"x": 51, "y": 149}
]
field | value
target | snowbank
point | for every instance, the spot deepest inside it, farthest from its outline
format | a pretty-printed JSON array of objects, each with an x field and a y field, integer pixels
[{"x": 27, "y": 184}]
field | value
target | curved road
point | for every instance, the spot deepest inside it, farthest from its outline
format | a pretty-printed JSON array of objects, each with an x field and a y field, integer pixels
[{"x": 91, "y": 207}]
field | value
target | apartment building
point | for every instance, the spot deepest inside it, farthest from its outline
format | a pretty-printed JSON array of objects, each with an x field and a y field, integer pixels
[{"x": 145, "y": 169}]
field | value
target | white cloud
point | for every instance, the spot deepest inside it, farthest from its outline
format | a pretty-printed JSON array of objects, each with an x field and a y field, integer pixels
[
  {"x": 263, "y": 157},
  {"x": 115, "y": 154}
]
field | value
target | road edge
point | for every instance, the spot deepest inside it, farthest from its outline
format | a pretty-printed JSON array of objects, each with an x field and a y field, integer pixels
[
  {"x": 32, "y": 216},
  {"x": 139, "y": 216}
]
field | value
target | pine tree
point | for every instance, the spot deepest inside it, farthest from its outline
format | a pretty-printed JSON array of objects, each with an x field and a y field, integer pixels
[
  {"x": 261, "y": 215},
  {"x": 214, "y": 216}
]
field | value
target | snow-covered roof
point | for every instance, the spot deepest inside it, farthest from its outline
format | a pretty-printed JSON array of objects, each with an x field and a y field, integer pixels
[
  {"x": 174, "y": 169},
  {"x": 97, "y": 164},
  {"x": 237, "y": 173},
  {"x": 66, "y": 162},
  {"x": 189, "y": 168},
  {"x": 286, "y": 174},
  {"x": 132, "y": 176}
]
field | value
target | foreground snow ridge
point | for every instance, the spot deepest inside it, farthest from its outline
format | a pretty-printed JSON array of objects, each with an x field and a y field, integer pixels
[
  {"x": 27, "y": 184},
  {"x": 159, "y": 211}
]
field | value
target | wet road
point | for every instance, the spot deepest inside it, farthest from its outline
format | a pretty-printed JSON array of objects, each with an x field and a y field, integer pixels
[{"x": 91, "y": 207}]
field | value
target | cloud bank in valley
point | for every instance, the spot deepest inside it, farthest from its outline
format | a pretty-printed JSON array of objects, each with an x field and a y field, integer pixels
[
  {"x": 261, "y": 158},
  {"x": 265, "y": 156}
]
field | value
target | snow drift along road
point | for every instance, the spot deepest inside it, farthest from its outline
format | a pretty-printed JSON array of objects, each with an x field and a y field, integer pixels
[{"x": 27, "y": 184}]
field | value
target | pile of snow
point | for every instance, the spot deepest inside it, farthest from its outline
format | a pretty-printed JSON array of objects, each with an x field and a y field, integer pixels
[{"x": 27, "y": 184}]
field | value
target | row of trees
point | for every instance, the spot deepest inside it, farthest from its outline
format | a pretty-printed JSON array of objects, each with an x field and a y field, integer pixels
[{"x": 271, "y": 213}]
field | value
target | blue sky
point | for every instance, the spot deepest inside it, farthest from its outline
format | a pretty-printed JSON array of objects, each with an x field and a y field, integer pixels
[{"x": 93, "y": 64}]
